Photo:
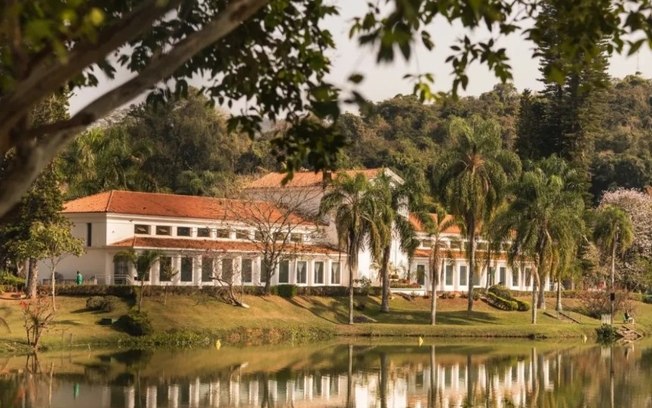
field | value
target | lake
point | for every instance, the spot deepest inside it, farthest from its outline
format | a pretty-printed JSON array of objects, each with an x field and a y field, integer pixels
[{"x": 497, "y": 373}]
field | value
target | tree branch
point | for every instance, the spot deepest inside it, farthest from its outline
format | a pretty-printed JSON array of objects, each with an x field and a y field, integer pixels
[
  {"x": 27, "y": 166},
  {"x": 50, "y": 75}
]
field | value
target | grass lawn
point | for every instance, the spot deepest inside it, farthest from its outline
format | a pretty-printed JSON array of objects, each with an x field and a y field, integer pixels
[{"x": 202, "y": 314}]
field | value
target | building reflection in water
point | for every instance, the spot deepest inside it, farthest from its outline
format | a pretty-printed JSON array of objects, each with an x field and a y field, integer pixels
[{"x": 389, "y": 383}]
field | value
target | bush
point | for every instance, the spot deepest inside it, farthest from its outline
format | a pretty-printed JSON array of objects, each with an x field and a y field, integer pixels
[
  {"x": 9, "y": 281},
  {"x": 647, "y": 299},
  {"x": 102, "y": 303},
  {"x": 135, "y": 323},
  {"x": 287, "y": 291},
  {"x": 500, "y": 303},
  {"x": 522, "y": 306},
  {"x": 501, "y": 291},
  {"x": 606, "y": 333}
]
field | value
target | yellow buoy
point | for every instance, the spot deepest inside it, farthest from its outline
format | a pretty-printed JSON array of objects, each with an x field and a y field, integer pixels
[
  {"x": 420, "y": 340},
  {"x": 218, "y": 344}
]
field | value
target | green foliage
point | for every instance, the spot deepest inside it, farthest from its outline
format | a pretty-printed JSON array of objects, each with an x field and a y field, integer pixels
[
  {"x": 287, "y": 291},
  {"x": 102, "y": 303},
  {"x": 647, "y": 299},
  {"x": 606, "y": 333},
  {"x": 501, "y": 303},
  {"x": 500, "y": 291},
  {"x": 10, "y": 280},
  {"x": 135, "y": 323}
]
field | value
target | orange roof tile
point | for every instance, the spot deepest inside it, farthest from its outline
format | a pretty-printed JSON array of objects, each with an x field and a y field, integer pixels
[
  {"x": 418, "y": 225},
  {"x": 305, "y": 178},
  {"x": 172, "y": 205},
  {"x": 214, "y": 245}
]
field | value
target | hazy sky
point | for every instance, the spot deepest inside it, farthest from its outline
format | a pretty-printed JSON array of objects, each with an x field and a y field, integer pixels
[{"x": 385, "y": 81}]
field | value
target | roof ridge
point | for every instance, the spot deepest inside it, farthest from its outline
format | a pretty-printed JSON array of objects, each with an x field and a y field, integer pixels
[{"x": 108, "y": 202}]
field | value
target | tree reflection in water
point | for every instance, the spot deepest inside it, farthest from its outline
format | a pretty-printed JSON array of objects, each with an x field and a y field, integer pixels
[{"x": 525, "y": 375}]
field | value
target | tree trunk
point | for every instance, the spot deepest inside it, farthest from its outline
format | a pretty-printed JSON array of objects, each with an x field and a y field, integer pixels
[
  {"x": 432, "y": 397},
  {"x": 140, "y": 294},
  {"x": 559, "y": 306},
  {"x": 541, "y": 300},
  {"x": 471, "y": 266},
  {"x": 350, "y": 293},
  {"x": 384, "y": 304},
  {"x": 612, "y": 296},
  {"x": 32, "y": 278},
  {"x": 349, "y": 379},
  {"x": 52, "y": 276},
  {"x": 534, "y": 295},
  {"x": 434, "y": 281}
]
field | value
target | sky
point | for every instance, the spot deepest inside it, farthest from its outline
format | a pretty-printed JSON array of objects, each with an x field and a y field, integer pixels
[{"x": 386, "y": 81}]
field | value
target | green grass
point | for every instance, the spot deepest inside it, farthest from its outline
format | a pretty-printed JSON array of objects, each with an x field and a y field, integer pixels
[{"x": 274, "y": 318}]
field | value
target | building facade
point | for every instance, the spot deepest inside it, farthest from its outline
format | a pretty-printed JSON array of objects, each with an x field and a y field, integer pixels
[{"x": 211, "y": 241}]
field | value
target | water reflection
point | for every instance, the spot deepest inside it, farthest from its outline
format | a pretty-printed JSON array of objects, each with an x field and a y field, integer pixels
[{"x": 357, "y": 376}]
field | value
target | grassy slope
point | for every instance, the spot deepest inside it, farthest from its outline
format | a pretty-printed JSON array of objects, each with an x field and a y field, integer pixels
[{"x": 203, "y": 314}]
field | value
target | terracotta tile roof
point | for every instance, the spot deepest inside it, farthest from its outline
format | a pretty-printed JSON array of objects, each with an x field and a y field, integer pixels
[
  {"x": 418, "y": 225},
  {"x": 214, "y": 245},
  {"x": 172, "y": 205},
  {"x": 305, "y": 178}
]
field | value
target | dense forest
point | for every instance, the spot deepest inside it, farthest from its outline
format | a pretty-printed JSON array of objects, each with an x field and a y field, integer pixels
[{"x": 184, "y": 147}]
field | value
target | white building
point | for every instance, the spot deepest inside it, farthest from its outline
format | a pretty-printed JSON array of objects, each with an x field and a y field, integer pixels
[{"x": 201, "y": 238}]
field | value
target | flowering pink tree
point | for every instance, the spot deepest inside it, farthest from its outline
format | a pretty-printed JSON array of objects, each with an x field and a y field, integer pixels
[{"x": 634, "y": 268}]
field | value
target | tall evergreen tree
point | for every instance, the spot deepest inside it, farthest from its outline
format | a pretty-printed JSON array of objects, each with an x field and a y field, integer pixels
[{"x": 573, "y": 97}]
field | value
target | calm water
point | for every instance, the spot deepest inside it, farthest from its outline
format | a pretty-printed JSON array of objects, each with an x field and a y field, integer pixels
[{"x": 336, "y": 375}]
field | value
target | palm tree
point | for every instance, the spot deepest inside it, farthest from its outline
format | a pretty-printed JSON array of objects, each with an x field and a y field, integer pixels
[
  {"x": 545, "y": 219},
  {"x": 392, "y": 220},
  {"x": 143, "y": 263},
  {"x": 473, "y": 177},
  {"x": 435, "y": 225},
  {"x": 613, "y": 231},
  {"x": 355, "y": 220}
]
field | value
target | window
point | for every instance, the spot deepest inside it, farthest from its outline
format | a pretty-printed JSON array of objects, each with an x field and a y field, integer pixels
[
  {"x": 163, "y": 230},
  {"x": 296, "y": 237},
  {"x": 263, "y": 271},
  {"x": 449, "y": 275},
  {"x": 528, "y": 276},
  {"x": 421, "y": 274},
  {"x": 335, "y": 273},
  {"x": 165, "y": 269},
  {"x": 222, "y": 233},
  {"x": 89, "y": 234},
  {"x": 302, "y": 267},
  {"x": 241, "y": 234},
  {"x": 319, "y": 273},
  {"x": 284, "y": 272},
  {"x": 227, "y": 270},
  {"x": 279, "y": 236},
  {"x": 502, "y": 279},
  {"x": 247, "y": 270},
  {"x": 426, "y": 243},
  {"x": 120, "y": 270},
  {"x": 183, "y": 231},
  {"x": 186, "y": 269},
  {"x": 141, "y": 229},
  {"x": 203, "y": 232},
  {"x": 258, "y": 236},
  {"x": 463, "y": 278},
  {"x": 456, "y": 245},
  {"x": 515, "y": 277},
  {"x": 206, "y": 269}
]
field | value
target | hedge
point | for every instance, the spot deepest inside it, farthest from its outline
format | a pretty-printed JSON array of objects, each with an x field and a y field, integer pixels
[{"x": 501, "y": 303}]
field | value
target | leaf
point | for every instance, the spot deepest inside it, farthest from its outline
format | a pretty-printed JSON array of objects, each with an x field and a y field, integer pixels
[{"x": 356, "y": 78}]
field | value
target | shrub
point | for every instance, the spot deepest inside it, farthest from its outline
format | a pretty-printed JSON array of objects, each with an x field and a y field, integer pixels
[
  {"x": 647, "y": 299},
  {"x": 501, "y": 303},
  {"x": 102, "y": 303},
  {"x": 135, "y": 323},
  {"x": 9, "y": 281},
  {"x": 287, "y": 291},
  {"x": 606, "y": 333},
  {"x": 522, "y": 306},
  {"x": 501, "y": 291}
]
